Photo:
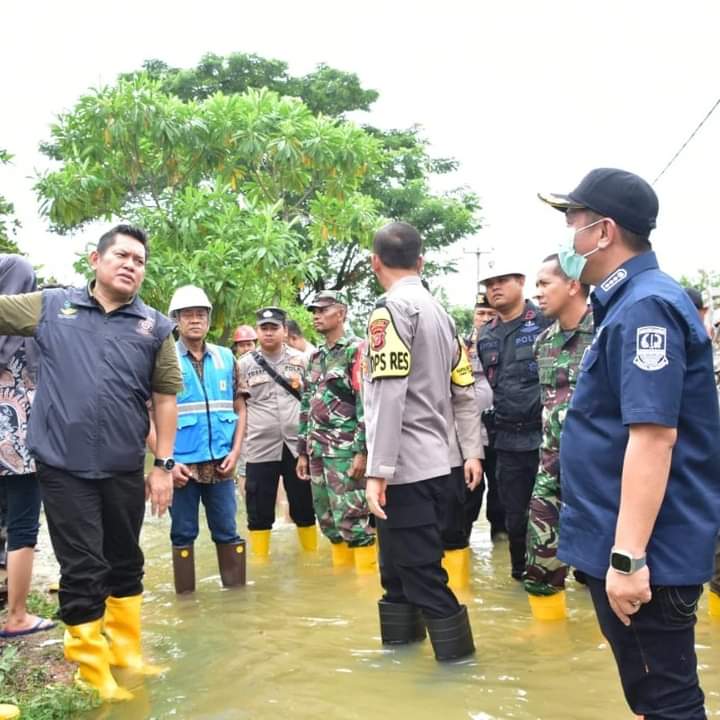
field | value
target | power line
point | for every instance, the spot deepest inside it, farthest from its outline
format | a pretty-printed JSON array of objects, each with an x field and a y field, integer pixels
[{"x": 685, "y": 144}]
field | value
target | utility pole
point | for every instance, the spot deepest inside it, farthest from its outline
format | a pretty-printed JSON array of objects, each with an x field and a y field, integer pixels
[{"x": 477, "y": 253}]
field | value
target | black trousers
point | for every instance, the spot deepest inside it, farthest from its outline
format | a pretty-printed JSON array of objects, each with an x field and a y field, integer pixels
[
  {"x": 655, "y": 655},
  {"x": 494, "y": 511},
  {"x": 453, "y": 510},
  {"x": 516, "y": 471},
  {"x": 411, "y": 548},
  {"x": 95, "y": 530},
  {"x": 261, "y": 484}
]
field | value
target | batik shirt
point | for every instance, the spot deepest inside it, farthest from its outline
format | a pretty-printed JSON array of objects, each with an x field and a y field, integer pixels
[{"x": 17, "y": 389}]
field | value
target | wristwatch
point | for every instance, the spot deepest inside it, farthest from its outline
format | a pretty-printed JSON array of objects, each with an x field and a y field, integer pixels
[
  {"x": 623, "y": 562},
  {"x": 167, "y": 464}
]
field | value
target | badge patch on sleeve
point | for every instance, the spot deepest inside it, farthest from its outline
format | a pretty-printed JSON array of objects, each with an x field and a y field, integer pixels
[
  {"x": 462, "y": 374},
  {"x": 651, "y": 348},
  {"x": 388, "y": 354}
]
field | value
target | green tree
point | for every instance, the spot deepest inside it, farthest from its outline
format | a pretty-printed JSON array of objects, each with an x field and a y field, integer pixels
[
  {"x": 241, "y": 194},
  {"x": 463, "y": 317},
  {"x": 9, "y": 224},
  {"x": 326, "y": 90},
  {"x": 400, "y": 186}
]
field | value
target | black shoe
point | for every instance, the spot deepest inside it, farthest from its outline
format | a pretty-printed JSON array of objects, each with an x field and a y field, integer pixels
[
  {"x": 518, "y": 574},
  {"x": 451, "y": 637},
  {"x": 400, "y": 623}
]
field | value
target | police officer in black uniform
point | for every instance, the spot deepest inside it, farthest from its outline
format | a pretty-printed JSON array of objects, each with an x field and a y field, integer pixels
[{"x": 505, "y": 349}]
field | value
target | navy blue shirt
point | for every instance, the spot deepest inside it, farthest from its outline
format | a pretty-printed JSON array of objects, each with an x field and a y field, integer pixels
[{"x": 650, "y": 362}]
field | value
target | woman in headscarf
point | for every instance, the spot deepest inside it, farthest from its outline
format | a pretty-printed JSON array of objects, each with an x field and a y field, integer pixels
[{"x": 18, "y": 367}]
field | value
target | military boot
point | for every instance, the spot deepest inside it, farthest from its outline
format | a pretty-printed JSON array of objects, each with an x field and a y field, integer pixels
[
  {"x": 231, "y": 561},
  {"x": 451, "y": 637},
  {"x": 400, "y": 623},
  {"x": 184, "y": 569}
]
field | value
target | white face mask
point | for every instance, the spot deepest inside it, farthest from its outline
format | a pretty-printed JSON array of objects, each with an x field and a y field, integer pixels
[{"x": 571, "y": 263}]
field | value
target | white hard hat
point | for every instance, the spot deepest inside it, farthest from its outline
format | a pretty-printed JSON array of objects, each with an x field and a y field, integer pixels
[
  {"x": 188, "y": 296},
  {"x": 501, "y": 265}
]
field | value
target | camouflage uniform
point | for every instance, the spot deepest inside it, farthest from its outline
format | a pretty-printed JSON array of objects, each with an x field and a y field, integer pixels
[
  {"x": 558, "y": 356},
  {"x": 331, "y": 433}
]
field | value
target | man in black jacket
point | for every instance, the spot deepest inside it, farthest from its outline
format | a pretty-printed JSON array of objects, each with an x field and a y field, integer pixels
[{"x": 505, "y": 349}]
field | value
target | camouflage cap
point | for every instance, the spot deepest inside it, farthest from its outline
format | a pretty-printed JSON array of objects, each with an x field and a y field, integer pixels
[{"x": 325, "y": 298}]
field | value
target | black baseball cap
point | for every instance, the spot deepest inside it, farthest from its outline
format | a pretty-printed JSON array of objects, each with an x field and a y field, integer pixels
[
  {"x": 274, "y": 315},
  {"x": 623, "y": 196},
  {"x": 696, "y": 297},
  {"x": 482, "y": 301}
]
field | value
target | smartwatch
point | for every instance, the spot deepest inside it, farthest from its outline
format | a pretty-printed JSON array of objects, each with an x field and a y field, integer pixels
[
  {"x": 167, "y": 464},
  {"x": 623, "y": 562}
]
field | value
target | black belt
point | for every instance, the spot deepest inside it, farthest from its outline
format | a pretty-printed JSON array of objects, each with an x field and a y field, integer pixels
[{"x": 517, "y": 427}]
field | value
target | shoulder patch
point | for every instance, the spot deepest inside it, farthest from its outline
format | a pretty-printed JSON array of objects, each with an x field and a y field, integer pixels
[
  {"x": 615, "y": 279},
  {"x": 462, "y": 374},
  {"x": 388, "y": 355},
  {"x": 651, "y": 348}
]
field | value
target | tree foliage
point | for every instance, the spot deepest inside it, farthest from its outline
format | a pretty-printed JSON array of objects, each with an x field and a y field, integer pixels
[
  {"x": 251, "y": 181},
  {"x": 400, "y": 186},
  {"x": 326, "y": 90},
  {"x": 240, "y": 193},
  {"x": 9, "y": 224}
]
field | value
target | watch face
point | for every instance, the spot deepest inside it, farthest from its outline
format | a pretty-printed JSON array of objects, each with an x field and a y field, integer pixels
[
  {"x": 169, "y": 464},
  {"x": 621, "y": 563}
]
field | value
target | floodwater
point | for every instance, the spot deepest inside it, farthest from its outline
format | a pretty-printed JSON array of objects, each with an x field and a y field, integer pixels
[{"x": 301, "y": 641}]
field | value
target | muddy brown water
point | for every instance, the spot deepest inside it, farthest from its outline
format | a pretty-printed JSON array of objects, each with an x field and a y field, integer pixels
[{"x": 301, "y": 642}]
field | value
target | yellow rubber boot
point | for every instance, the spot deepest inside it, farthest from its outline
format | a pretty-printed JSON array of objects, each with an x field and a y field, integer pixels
[
  {"x": 714, "y": 604},
  {"x": 548, "y": 607},
  {"x": 9, "y": 712},
  {"x": 308, "y": 538},
  {"x": 122, "y": 629},
  {"x": 365, "y": 558},
  {"x": 341, "y": 554},
  {"x": 457, "y": 566},
  {"x": 86, "y": 645},
  {"x": 259, "y": 543}
]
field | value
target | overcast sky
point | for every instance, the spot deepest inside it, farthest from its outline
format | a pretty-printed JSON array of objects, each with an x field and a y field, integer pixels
[{"x": 527, "y": 95}]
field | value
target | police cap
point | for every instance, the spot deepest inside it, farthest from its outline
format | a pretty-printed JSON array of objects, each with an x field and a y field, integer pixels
[{"x": 272, "y": 315}]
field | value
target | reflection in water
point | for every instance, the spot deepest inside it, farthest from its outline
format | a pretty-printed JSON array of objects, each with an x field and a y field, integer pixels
[{"x": 301, "y": 641}]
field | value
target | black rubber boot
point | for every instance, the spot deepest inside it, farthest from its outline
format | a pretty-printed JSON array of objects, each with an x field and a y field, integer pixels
[
  {"x": 231, "y": 561},
  {"x": 184, "y": 569},
  {"x": 400, "y": 623},
  {"x": 517, "y": 558},
  {"x": 451, "y": 637},
  {"x": 3, "y": 553}
]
